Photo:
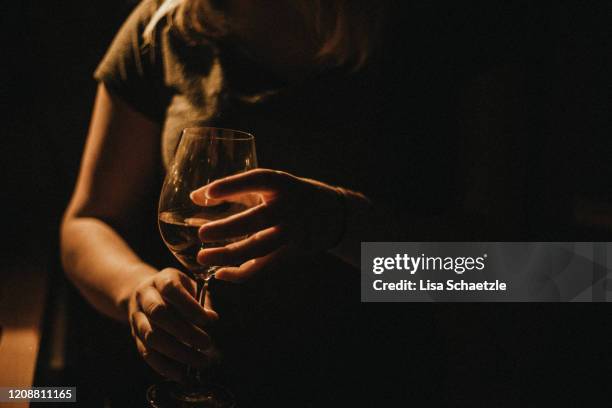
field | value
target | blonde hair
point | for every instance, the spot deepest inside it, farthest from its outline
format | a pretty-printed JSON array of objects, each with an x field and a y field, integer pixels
[{"x": 348, "y": 31}]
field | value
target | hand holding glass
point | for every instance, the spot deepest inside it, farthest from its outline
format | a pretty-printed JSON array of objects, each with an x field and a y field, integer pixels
[{"x": 203, "y": 155}]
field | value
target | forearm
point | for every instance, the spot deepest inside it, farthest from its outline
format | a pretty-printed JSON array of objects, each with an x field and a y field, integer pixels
[
  {"x": 101, "y": 264},
  {"x": 365, "y": 221}
]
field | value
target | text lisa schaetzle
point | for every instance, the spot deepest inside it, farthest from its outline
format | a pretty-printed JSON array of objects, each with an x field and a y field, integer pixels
[{"x": 414, "y": 264}]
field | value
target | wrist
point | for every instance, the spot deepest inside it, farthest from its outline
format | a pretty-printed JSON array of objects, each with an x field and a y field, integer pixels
[{"x": 134, "y": 277}]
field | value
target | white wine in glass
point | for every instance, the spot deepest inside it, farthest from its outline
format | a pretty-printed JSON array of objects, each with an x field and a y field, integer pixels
[{"x": 179, "y": 229}]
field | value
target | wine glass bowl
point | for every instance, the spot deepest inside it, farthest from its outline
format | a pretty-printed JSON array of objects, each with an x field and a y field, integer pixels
[{"x": 203, "y": 155}]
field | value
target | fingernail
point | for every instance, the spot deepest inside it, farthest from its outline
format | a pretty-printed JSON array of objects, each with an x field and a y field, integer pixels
[
  {"x": 204, "y": 192},
  {"x": 227, "y": 277},
  {"x": 211, "y": 315},
  {"x": 220, "y": 274},
  {"x": 205, "y": 227},
  {"x": 201, "y": 257},
  {"x": 196, "y": 196}
]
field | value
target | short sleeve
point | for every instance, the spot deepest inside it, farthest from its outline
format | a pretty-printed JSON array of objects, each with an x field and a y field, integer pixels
[{"x": 133, "y": 70}]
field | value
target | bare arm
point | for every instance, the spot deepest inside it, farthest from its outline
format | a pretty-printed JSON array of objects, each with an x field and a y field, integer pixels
[
  {"x": 118, "y": 164},
  {"x": 109, "y": 188}
]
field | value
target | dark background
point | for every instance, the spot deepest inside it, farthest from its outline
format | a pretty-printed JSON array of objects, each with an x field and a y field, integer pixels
[{"x": 499, "y": 355}]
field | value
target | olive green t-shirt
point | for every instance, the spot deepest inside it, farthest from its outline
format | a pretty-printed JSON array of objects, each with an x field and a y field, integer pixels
[
  {"x": 334, "y": 126},
  {"x": 389, "y": 131},
  {"x": 214, "y": 83}
]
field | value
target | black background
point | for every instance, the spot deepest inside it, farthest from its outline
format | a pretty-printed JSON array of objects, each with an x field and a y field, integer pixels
[{"x": 470, "y": 355}]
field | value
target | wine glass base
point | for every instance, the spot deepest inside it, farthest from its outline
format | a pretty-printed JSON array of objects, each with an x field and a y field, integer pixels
[{"x": 171, "y": 394}]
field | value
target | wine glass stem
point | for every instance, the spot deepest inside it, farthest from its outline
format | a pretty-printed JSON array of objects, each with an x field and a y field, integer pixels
[
  {"x": 194, "y": 374},
  {"x": 201, "y": 288}
]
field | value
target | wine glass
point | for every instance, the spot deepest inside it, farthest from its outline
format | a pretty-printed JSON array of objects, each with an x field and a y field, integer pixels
[{"x": 204, "y": 154}]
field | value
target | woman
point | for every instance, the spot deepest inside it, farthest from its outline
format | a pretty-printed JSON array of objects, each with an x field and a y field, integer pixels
[{"x": 322, "y": 85}]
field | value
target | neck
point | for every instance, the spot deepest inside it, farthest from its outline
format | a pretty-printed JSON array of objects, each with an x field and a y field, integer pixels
[{"x": 275, "y": 35}]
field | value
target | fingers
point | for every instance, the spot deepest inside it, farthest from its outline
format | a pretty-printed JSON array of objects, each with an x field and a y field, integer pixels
[
  {"x": 262, "y": 181},
  {"x": 157, "y": 340},
  {"x": 250, "y": 268},
  {"x": 178, "y": 290},
  {"x": 246, "y": 222},
  {"x": 256, "y": 246},
  {"x": 163, "y": 312},
  {"x": 153, "y": 306},
  {"x": 160, "y": 363}
]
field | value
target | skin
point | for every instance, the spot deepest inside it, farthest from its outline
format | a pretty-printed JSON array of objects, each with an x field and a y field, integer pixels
[
  {"x": 167, "y": 324},
  {"x": 291, "y": 55},
  {"x": 280, "y": 226},
  {"x": 296, "y": 215}
]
